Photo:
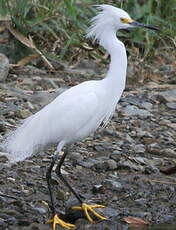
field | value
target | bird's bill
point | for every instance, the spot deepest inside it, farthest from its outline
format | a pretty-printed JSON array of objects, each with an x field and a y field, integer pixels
[{"x": 138, "y": 24}]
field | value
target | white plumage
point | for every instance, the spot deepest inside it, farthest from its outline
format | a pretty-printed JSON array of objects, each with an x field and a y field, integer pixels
[{"x": 80, "y": 110}]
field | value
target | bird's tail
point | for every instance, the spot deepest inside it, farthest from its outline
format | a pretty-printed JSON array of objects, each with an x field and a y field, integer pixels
[{"x": 22, "y": 142}]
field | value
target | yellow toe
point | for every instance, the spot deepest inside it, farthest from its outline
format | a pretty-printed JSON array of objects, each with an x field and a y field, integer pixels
[
  {"x": 56, "y": 220},
  {"x": 90, "y": 208}
]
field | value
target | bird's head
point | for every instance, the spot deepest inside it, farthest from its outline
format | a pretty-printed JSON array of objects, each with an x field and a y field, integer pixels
[{"x": 111, "y": 18}]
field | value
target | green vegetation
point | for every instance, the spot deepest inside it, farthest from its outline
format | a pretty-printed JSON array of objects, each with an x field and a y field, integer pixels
[{"x": 58, "y": 26}]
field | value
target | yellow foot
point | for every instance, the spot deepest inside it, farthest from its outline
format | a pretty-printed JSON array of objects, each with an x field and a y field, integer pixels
[
  {"x": 56, "y": 220},
  {"x": 89, "y": 208}
]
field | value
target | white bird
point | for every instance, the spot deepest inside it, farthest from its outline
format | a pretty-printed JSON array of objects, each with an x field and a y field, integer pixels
[{"x": 80, "y": 110}]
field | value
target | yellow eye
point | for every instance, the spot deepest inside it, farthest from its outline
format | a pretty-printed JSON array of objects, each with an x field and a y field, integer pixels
[{"x": 126, "y": 20}]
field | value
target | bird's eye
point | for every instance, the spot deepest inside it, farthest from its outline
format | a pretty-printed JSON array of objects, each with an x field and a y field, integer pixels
[{"x": 124, "y": 20}]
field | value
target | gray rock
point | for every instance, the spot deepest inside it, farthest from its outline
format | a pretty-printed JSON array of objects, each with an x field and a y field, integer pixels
[
  {"x": 100, "y": 165},
  {"x": 110, "y": 164},
  {"x": 132, "y": 110},
  {"x": 75, "y": 156},
  {"x": 40, "y": 209},
  {"x": 143, "y": 215},
  {"x": 109, "y": 224},
  {"x": 168, "y": 153},
  {"x": 142, "y": 133},
  {"x": 113, "y": 184},
  {"x": 151, "y": 169},
  {"x": 139, "y": 148},
  {"x": 116, "y": 155},
  {"x": 36, "y": 226},
  {"x": 97, "y": 188},
  {"x": 154, "y": 148},
  {"x": 88, "y": 163},
  {"x": 4, "y": 67},
  {"x": 131, "y": 164},
  {"x": 110, "y": 212},
  {"x": 146, "y": 105},
  {"x": 166, "y": 96},
  {"x": 129, "y": 139},
  {"x": 171, "y": 105},
  {"x": 141, "y": 201},
  {"x": 168, "y": 218}
]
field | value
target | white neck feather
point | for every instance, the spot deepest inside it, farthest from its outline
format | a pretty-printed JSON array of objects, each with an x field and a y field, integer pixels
[
  {"x": 102, "y": 29},
  {"x": 118, "y": 65}
]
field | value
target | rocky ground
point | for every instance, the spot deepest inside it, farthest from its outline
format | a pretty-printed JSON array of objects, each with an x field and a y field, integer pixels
[{"x": 129, "y": 166}]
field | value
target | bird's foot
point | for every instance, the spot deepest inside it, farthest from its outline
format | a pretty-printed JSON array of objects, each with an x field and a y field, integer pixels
[
  {"x": 90, "y": 208},
  {"x": 56, "y": 220}
]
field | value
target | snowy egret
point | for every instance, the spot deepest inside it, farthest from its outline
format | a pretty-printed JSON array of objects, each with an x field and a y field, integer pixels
[{"x": 80, "y": 110}]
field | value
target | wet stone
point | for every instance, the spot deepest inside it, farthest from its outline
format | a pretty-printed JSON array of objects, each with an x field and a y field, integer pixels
[
  {"x": 144, "y": 215},
  {"x": 168, "y": 152},
  {"x": 100, "y": 165},
  {"x": 167, "y": 96},
  {"x": 113, "y": 185},
  {"x": 131, "y": 110},
  {"x": 37, "y": 226},
  {"x": 74, "y": 156},
  {"x": 88, "y": 163},
  {"x": 149, "y": 169},
  {"x": 97, "y": 188},
  {"x": 141, "y": 201},
  {"x": 116, "y": 155},
  {"x": 111, "y": 224},
  {"x": 168, "y": 218},
  {"x": 146, "y": 105},
  {"x": 139, "y": 148},
  {"x": 110, "y": 164},
  {"x": 171, "y": 105},
  {"x": 40, "y": 210}
]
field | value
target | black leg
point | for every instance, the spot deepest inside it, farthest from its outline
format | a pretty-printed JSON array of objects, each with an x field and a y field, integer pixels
[
  {"x": 59, "y": 174},
  {"x": 48, "y": 179}
]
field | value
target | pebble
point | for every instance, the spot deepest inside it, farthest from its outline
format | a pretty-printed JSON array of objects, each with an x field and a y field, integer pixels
[
  {"x": 146, "y": 105},
  {"x": 141, "y": 201},
  {"x": 113, "y": 185},
  {"x": 110, "y": 164},
  {"x": 75, "y": 156},
  {"x": 168, "y": 152},
  {"x": 132, "y": 110},
  {"x": 139, "y": 148},
  {"x": 36, "y": 226},
  {"x": 171, "y": 105},
  {"x": 40, "y": 209},
  {"x": 166, "y": 96},
  {"x": 97, "y": 188},
  {"x": 100, "y": 165},
  {"x": 88, "y": 163},
  {"x": 116, "y": 155}
]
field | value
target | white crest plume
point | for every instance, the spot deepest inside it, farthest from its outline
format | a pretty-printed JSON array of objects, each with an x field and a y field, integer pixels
[{"x": 106, "y": 18}]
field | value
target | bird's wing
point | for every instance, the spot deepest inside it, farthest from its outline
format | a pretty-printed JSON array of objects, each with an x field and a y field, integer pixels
[{"x": 69, "y": 113}]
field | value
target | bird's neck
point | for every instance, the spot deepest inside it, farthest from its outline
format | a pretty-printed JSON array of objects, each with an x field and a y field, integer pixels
[{"x": 116, "y": 75}]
